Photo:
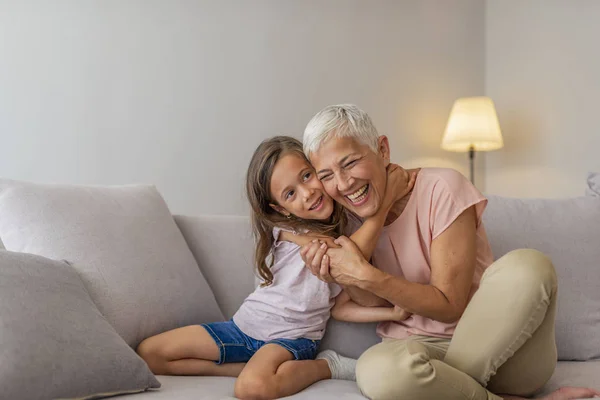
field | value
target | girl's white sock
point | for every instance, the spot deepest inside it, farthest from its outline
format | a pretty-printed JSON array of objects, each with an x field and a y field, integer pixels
[{"x": 341, "y": 367}]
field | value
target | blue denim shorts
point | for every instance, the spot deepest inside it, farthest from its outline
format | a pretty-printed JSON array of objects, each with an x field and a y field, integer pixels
[{"x": 236, "y": 347}]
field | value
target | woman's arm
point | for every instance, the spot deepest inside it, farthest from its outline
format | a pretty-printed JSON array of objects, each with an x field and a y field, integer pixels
[
  {"x": 444, "y": 299},
  {"x": 347, "y": 310}
]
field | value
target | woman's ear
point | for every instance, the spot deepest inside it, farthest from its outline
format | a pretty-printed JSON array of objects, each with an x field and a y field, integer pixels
[
  {"x": 280, "y": 210},
  {"x": 383, "y": 149}
]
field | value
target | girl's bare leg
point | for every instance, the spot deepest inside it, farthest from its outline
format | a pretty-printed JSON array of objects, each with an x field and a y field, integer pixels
[
  {"x": 185, "y": 351},
  {"x": 272, "y": 373}
]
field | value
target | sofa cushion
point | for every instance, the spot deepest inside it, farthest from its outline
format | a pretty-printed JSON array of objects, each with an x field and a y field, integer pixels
[
  {"x": 567, "y": 230},
  {"x": 223, "y": 247},
  {"x": 125, "y": 244},
  {"x": 54, "y": 342},
  {"x": 593, "y": 184},
  {"x": 348, "y": 338},
  {"x": 210, "y": 388},
  {"x": 574, "y": 373}
]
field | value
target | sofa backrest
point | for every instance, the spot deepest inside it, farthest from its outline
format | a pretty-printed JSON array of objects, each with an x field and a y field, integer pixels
[
  {"x": 568, "y": 231},
  {"x": 222, "y": 246}
]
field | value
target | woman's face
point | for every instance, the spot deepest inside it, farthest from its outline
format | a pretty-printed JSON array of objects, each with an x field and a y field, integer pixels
[
  {"x": 353, "y": 174},
  {"x": 297, "y": 191}
]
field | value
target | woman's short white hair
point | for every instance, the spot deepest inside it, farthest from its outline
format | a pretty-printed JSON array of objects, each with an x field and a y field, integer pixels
[{"x": 341, "y": 120}]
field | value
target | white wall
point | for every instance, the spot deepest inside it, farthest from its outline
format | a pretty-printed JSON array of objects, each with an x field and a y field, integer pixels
[
  {"x": 543, "y": 72},
  {"x": 179, "y": 93}
]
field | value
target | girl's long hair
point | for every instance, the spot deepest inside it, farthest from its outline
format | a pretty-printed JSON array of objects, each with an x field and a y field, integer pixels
[{"x": 264, "y": 217}]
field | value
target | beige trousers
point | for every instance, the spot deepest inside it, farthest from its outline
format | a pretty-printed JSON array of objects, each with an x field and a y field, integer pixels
[{"x": 504, "y": 342}]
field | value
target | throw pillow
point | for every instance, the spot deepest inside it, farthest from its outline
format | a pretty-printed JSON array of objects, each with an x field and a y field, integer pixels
[
  {"x": 124, "y": 243},
  {"x": 54, "y": 342}
]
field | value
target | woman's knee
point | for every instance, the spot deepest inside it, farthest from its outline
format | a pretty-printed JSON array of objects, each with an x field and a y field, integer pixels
[
  {"x": 255, "y": 387},
  {"x": 527, "y": 266},
  {"x": 381, "y": 374}
]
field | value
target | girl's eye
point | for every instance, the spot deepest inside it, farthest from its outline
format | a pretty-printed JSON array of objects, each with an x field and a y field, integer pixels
[
  {"x": 289, "y": 194},
  {"x": 306, "y": 176}
]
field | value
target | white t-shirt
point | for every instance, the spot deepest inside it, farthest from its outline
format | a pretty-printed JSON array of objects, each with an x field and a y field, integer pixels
[{"x": 296, "y": 305}]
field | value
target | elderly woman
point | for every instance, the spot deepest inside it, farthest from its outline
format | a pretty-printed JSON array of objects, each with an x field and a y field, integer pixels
[{"x": 477, "y": 327}]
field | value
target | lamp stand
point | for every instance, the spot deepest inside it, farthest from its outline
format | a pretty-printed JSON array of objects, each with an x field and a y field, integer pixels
[{"x": 472, "y": 162}]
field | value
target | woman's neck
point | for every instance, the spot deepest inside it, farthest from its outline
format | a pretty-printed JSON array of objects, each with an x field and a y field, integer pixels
[{"x": 397, "y": 209}]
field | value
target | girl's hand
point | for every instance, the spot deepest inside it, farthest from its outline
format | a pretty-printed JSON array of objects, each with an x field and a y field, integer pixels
[
  {"x": 399, "y": 314},
  {"x": 400, "y": 182}
]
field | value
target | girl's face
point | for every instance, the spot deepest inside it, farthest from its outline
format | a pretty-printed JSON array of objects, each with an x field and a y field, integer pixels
[{"x": 296, "y": 189}]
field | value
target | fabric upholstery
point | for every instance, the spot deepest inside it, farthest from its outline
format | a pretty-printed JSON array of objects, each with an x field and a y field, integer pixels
[
  {"x": 567, "y": 230},
  {"x": 223, "y": 247},
  {"x": 124, "y": 243},
  {"x": 54, "y": 342},
  {"x": 212, "y": 388},
  {"x": 574, "y": 373}
]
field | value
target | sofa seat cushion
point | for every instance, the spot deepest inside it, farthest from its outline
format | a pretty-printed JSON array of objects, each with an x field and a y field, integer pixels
[
  {"x": 574, "y": 373},
  {"x": 211, "y": 388},
  {"x": 124, "y": 243}
]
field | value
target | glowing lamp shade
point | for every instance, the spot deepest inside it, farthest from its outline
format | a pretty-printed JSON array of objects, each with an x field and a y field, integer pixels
[{"x": 472, "y": 126}]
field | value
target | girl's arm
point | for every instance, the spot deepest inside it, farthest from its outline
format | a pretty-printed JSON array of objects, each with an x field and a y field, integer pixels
[
  {"x": 399, "y": 183},
  {"x": 303, "y": 239},
  {"x": 347, "y": 310}
]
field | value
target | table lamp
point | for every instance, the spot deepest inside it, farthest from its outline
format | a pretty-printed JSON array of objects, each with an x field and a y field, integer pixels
[{"x": 472, "y": 126}]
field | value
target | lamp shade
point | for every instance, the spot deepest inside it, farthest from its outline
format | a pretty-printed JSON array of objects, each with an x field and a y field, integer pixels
[{"x": 472, "y": 124}]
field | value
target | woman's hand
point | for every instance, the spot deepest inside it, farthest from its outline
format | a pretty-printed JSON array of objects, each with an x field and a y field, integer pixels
[{"x": 346, "y": 264}]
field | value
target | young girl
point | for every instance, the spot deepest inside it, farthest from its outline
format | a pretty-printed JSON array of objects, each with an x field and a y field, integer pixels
[{"x": 271, "y": 342}]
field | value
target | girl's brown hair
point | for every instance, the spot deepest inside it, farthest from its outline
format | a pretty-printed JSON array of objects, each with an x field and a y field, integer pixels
[{"x": 264, "y": 217}]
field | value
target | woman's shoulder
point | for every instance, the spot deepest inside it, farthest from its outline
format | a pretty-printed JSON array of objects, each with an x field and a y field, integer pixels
[
  {"x": 448, "y": 176},
  {"x": 438, "y": 181}
]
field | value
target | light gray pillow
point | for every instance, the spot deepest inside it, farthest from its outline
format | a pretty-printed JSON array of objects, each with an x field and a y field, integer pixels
[
  {"x": 54, "y": 342},
  {"x": 124, "y": 243},
  {"x": 568, "y": 231},
  {"x": 593, "y": 181}
]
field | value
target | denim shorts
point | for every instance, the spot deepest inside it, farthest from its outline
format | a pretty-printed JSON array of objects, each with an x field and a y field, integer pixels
[{"x": 237, "y": 347}]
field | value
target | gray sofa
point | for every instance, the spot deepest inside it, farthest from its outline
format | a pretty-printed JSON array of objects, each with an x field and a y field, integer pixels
[
  {"x": 567, "y": 230},
  {"x": 510, "y": 224}
]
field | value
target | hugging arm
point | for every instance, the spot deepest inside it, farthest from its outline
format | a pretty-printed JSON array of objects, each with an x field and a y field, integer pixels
[
  {"x": 400, "y": 182},
  {"x": 445, "y": 298},
  {"x": 345, "y": 309}
]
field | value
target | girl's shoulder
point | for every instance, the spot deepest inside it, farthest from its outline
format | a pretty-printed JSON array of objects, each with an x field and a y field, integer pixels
[{"x": 280, "y": 244}]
